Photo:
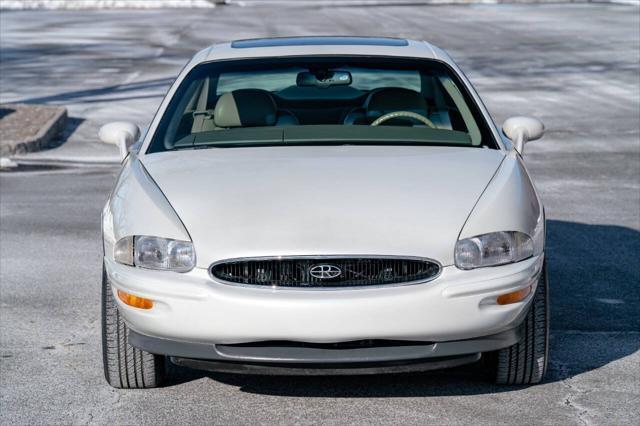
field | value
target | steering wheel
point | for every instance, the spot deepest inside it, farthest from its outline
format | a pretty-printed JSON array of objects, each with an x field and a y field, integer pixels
[{"x": 409, "y": 114}]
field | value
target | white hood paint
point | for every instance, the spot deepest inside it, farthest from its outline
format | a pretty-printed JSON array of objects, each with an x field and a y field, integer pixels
[{"x": 323, "y": 200}]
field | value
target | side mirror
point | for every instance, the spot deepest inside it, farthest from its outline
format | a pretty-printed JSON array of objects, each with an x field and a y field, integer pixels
[
  {"x": 120, "y": 133},
  {"x": 522, "y": 130}
]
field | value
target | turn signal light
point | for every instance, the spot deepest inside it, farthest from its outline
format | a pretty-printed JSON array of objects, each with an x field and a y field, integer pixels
[
  {"x": 514, "y": 297},
  {"x": 135, "y": 301}
]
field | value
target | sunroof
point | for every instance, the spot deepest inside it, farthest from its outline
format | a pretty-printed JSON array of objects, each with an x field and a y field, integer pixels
[{"x": 319, "y": 41}]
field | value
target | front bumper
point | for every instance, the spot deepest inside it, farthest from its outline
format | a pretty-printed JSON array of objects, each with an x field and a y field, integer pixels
[
  {"x": 191, "y": 307},
  {"x": 365, "y": 357}
]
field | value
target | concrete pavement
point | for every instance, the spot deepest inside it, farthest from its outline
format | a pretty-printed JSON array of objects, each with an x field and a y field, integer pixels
[{"x": 574, "y": 66}]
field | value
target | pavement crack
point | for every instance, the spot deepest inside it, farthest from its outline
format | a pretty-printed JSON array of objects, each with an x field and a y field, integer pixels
[
  {"x": 73, "y": 344},
  {"x": 564, "y": 376},
  {"x": 580, "y": 411},
  {"x": 99, "y": 416}
]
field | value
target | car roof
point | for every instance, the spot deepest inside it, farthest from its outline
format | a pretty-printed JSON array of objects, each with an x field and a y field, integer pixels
[{"x": 320, "y": 45}]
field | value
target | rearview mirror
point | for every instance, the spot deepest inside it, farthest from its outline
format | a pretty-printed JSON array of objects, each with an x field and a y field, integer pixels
[
  {"x": 324, "y": 79},
  {"x": 120, "y": 133},
  {"x": 521, "y": 130}
]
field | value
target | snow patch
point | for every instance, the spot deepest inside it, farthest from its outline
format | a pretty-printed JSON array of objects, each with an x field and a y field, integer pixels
[
  {"x": 103, "y": 4},
  {"x": 6, "y": 163}
]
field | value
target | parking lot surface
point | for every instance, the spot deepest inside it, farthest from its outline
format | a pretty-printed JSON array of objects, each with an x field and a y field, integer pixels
[{"x": 574, "y": 66}]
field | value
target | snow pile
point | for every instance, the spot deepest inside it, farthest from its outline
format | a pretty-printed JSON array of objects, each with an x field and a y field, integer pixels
[{"x": 103, "y": 4}]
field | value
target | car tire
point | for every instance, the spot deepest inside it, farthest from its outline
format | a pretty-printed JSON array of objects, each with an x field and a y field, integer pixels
[
  {"x": 125, "y": 367},
  {"x": 525, "y": 363}
]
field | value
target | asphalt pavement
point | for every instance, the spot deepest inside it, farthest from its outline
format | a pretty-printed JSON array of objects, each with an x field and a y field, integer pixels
[{"x": 577, "y": 67}]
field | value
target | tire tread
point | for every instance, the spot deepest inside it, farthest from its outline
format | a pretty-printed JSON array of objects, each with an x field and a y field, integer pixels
[
  {"x": 526, "y": 361},
  {"x": 125, "y": 366}
]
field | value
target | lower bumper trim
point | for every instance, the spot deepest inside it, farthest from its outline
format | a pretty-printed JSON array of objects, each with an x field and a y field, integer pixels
[{"x": 325, "y": 370}]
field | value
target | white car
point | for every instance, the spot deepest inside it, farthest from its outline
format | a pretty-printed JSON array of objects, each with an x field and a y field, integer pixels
[{"x": 323, "y": 205}]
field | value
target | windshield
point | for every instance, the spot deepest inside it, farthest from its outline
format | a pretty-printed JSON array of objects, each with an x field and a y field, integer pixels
[{"x": 316, "y": 100}]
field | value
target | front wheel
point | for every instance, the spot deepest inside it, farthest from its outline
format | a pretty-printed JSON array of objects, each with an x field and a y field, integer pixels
[
  {"x": 525, "y": 362},
  {"x": 125, "y": 367}
]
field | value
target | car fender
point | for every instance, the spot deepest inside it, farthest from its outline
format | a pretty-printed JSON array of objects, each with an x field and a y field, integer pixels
[
  {"x": 138, "y": 207},
  {"x": 509, "y": 203}
]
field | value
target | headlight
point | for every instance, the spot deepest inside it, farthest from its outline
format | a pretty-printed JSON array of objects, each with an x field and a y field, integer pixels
[
  {"x": 155, "y": 253},
  {"x": 496, "y": 248}
]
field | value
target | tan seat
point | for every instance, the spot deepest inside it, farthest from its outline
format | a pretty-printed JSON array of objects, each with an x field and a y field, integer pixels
[{"x": 250, "y": 108}]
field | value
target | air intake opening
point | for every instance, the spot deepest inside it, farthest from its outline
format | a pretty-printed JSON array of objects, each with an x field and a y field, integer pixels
[{"x": 325, "y": 272}]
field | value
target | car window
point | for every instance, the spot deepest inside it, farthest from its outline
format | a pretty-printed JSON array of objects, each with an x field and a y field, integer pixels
[
  {"x": 362, "y": 79},
  {"x": 267, "y": 80},
  {"x": 321, "y": 100},
  {"x": 369, "y": 79}
]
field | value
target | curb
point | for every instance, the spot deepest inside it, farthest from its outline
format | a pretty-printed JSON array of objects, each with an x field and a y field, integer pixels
[
  {"x": 41, "y": 140},
  {"x": 382, "y": 3},
  {"x": 67, "y": 161},
  {"x": 23, "y": 164},
  {"x": 105, "y": 4}
]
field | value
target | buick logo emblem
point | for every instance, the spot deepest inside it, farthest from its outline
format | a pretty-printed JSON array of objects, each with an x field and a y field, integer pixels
[{"x": 325, "y": 272}]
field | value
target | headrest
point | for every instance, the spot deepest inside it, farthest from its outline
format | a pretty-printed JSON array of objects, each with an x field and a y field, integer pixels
[
  {"x": 388, "y": 99},
  {"x": 245, "y": 108}
]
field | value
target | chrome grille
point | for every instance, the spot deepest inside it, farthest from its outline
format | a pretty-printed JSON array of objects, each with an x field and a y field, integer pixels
[{"x": 320, "y": 272}]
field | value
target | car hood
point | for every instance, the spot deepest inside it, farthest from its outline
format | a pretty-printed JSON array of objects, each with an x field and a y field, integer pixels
[{"x": 323, "y": 200}]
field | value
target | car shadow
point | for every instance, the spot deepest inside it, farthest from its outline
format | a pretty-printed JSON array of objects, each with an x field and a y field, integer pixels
[{"x": 593, "y": 274}]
